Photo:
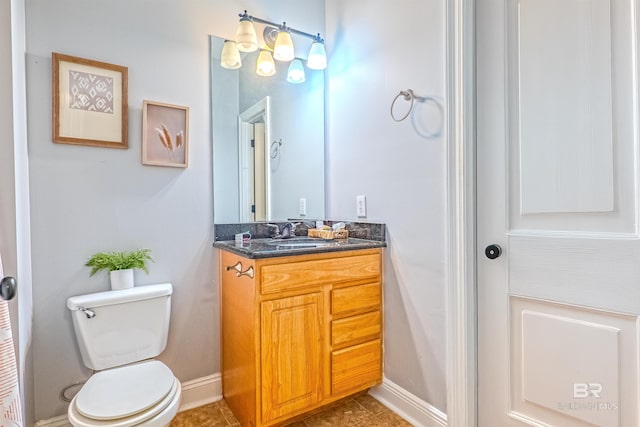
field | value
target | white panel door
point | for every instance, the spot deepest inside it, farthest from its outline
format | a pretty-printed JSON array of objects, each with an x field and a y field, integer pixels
[{"x": 557, "y": 128}]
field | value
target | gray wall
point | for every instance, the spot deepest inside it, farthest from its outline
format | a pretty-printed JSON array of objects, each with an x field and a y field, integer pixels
[
  {"x": 374, "y": 55},
  {"x": 87, "y": 199}
]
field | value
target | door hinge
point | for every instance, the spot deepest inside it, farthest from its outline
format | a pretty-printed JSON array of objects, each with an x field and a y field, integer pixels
[
  {"x": 253, "y": 143},
  {"x": 253, "y": 208}
]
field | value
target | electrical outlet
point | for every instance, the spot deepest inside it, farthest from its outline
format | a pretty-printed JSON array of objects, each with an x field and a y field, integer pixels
[
  {"x": 303, "y": 206},
  {"x": 361, "y": 206}
]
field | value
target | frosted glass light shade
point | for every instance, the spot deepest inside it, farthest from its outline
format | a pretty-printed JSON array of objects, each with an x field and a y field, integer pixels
[
  {"x": 296, "y": 72},
  {"x": 265, "y": 65},
  {"x": 317, "y": 59},
  {"x": 283, "y": 48},
  {"x": 246, "y": 36},
  {"x": 230, "y": 57}
]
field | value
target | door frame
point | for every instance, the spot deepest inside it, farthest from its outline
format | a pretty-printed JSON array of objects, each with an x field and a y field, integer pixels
[
  {"x": 15, "y": 227},
  {"x": 260, "y": 111},
  {"x": 461, "y": 329}
]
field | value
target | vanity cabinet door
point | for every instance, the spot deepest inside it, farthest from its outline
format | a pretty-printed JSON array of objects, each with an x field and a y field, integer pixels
[{"x": 292, "y": 337}]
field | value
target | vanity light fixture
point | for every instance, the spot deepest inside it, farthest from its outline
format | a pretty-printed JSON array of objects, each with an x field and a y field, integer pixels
[
  {"x": 283, "y": 50},
  {"x": 265, "y": 65},
  {"x": 296, "y": 72},
  {"x": 317, "y": 59},
  {"x": 246, "y": 34},
  {"x": 230, "y": 57}
]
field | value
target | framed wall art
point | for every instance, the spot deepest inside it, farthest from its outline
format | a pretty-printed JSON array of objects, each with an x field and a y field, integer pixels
[
  {"x": 90, "y": 105},
  {"x": 165, "y": 134}
]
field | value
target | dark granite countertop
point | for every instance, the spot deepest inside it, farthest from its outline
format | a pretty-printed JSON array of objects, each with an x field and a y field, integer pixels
[
  {"x": 258, "y": 230},
  {"x": 271, "y": 248}
]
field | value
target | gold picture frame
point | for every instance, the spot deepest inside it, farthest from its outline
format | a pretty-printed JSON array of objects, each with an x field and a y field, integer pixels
[
  {"x": 90, "y": 104},
  {"x": 165, "y": 134}
]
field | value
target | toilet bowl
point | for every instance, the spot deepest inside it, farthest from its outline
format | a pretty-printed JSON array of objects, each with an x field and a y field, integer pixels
[{"x": 119, "y": 332}]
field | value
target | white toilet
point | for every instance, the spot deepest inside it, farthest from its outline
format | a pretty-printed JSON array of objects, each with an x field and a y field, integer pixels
[{"x": 118, "y": 332}]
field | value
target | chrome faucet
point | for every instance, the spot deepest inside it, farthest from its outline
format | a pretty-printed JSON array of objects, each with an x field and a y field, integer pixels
[
  {"x": 276, "y": 230},
  {"x": 288, "y": 230},
  {"x": 285, "y": 231}
]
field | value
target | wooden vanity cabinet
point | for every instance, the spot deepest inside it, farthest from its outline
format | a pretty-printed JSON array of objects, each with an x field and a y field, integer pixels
[{"x": 304, "y": 331}]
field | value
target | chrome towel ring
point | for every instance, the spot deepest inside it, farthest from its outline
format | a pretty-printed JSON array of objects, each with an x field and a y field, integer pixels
[
  {"x": 407, "y": 95},
  {"x": 274, "y": 150}
]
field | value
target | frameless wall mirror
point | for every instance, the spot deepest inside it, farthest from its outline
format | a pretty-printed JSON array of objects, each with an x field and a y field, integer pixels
[{"x": 268, "y": 142}]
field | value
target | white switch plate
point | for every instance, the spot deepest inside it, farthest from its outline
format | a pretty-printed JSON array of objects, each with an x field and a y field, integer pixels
[
  {"x": 303, "y": 206},
  {"x": 361, "y": 206}
]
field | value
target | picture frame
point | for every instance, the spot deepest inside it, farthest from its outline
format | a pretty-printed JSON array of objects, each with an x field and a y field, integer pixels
[
  {"x": 165, "y": 134},
  {"x": 90, "y": 102}
]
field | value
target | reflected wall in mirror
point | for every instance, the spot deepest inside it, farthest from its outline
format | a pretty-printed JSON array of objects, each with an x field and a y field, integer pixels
[{"x": 271, "y": 178}]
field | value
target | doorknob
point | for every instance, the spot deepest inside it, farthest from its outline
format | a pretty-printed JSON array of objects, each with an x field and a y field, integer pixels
[
  {"x": 493, "y": 251},
  {"x": 8, "y": 288}
]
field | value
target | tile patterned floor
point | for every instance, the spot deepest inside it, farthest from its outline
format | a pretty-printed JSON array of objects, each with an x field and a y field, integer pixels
[{"x": 357, "y": 411}]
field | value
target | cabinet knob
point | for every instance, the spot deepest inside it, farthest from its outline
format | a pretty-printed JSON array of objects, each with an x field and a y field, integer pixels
[
  {"x": 238, "y": 268},
  {"x": 248, "y": 272}
]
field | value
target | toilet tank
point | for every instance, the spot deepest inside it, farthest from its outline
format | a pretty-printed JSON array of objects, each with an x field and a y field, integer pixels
[{"x": 114, "y": 328}]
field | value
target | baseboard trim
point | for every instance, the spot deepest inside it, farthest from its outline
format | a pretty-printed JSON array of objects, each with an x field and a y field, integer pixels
[
  {"x": 201, "y": 391},
  {"x": 408, "y": 406},
  {"x": 198, "y": 392},
  {"x": 204, "y": 390},
  {"x": 60, "y": 421}
]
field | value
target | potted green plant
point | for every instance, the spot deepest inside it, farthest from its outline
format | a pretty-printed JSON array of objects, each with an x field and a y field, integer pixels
[{"x": 120, "y": 265}]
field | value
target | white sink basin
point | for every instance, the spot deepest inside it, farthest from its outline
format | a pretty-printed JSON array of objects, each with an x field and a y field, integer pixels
[{"x": 299, "y": 243}]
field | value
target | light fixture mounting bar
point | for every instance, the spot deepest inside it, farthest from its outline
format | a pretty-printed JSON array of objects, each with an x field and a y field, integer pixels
[{"x": 283, "y": 25}]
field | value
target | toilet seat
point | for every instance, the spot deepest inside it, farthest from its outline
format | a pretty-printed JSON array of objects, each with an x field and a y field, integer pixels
[
  {"x": 142, "y": 394},
  {"x": 122, "y": 392}
]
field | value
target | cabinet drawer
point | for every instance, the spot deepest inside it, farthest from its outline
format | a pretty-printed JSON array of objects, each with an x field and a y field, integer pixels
[
  {"x": 356, "y": 299},
  {"x": 292, "y": 275},
  {"x": 356, "y": 367},
  {"x": 355, "y": 329}
]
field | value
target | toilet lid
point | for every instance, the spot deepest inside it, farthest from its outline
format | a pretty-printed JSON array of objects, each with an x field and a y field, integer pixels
[{"x": 122, "y": 392}]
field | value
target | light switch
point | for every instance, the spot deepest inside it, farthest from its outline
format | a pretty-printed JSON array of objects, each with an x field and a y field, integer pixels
[
  {"x": 303, "y": 206},
  {"x": 361, "y": 206}
]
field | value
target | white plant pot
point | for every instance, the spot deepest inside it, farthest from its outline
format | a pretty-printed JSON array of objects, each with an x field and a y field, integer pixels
[{"x": 121, "y": 279}]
